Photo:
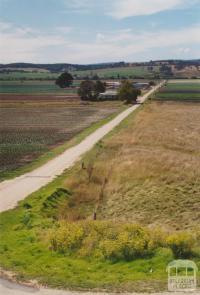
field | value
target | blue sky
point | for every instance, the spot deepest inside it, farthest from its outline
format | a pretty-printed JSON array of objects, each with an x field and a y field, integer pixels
[{"x": 93, "y": 31}]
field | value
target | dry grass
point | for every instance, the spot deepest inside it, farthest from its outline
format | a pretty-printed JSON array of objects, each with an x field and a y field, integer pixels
[{"x": 148, "y": 172}]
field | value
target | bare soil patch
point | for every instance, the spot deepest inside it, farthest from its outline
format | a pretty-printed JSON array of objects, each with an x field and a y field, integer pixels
[{"x": 32, "y": 125}]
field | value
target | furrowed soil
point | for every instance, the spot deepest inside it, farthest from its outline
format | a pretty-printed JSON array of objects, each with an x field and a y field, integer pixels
[{"x": 31, "y": 125}]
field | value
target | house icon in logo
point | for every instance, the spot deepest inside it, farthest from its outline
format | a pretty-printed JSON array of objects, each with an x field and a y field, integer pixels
[{"x": 182, "y": 275}]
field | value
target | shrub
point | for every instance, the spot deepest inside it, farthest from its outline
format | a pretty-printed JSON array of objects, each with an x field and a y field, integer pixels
[
  {"x": 181, "y": 244},
  {"x": 103, "y": 239},
  {"x": 115, "y": 242},
  {"x": 26, "y": 219},
  {"x": 67, "y": 237}
]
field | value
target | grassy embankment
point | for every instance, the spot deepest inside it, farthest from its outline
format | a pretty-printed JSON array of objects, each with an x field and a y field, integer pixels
[{"x": 146, "y": 171}]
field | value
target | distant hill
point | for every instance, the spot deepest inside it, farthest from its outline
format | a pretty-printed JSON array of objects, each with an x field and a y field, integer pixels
[
  {"x": 58, "y": 67},
  {"x": 112, "y": 70}
]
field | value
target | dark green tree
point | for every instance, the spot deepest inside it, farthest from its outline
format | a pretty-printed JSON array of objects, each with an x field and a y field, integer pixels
[
  {"x": 128, "y": 93},
  {"x": 152, "y": 83},
  {"x": 86, "y": 90},
  {"x": 99, "y": 87},
  {"x": 64, "y": 80}
]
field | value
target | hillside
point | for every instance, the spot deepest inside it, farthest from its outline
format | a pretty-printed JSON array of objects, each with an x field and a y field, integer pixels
[
  {"x": 112, "y": 70},
  {"x": 57, "y": 67}
]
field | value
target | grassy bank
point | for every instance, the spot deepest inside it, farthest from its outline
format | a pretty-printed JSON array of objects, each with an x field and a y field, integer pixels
[{"x": 25, "y": 249}]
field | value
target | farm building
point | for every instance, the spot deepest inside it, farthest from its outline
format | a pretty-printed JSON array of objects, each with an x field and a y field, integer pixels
[
  {"x": 109, "y": 94},
  {"x": 141, "y": 85},
  {"x": 113, "y": 84}
]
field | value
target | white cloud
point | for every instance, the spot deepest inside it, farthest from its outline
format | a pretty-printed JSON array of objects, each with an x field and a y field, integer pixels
[
  {"x": 28, "y": 45},
  {"x": 184, "y": 50},
  {"x": 5, "y": 26},
  {"x": 126, "y": 8},
  {"x": 24, "y": 44},
  {"x": 64, "y": 29},
  {"x": 79, "y": 3},
  {"x": 125, "y": 45},
  {"x": 78, "y": 6}
]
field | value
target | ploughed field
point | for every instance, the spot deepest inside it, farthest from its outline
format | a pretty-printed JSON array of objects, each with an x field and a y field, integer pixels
[
  {"x": 180, "y": 91},
  {"x": 32, "y": 125}
]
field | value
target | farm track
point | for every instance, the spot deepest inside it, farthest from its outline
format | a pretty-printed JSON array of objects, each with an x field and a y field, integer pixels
[
  {"x": 17, "y": 189},
  {"x": 9, "y": 288}
]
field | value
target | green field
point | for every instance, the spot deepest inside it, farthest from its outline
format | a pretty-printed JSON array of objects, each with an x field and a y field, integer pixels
[
  {"x": 28, "y": 76},
  {"x": 33, "y": 87},
  {"x": 179, "y": 96},
  {"x": 180, "y": 91},
  {"x": 183, "y": 86},
  {"x": 128, "y": 72},
  {"x": 121, "y": 72}
]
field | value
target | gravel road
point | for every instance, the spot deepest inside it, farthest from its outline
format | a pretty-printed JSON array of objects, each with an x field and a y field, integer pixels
[{"x": 8, "y": 288}]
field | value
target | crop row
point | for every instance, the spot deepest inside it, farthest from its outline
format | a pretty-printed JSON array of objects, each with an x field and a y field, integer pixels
[{"x": 26, "y": 132}]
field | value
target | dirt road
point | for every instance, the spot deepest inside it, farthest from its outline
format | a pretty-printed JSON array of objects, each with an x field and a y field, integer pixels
[
  {"x": 8, "y": 288},
  {"x": 12, "y": 191}
]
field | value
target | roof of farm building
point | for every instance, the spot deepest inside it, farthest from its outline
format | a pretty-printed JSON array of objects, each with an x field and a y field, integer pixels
[{"x": 109, "y": 93}]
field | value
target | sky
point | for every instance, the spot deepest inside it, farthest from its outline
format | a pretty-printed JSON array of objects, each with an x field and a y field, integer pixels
[{"x": 95, "y": 31}]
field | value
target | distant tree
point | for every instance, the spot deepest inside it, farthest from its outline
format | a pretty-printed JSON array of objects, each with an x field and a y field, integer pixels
[
  {"x": 86, "y": 90},
  {"x": 127, "y": 92},
  {"x": 152, "y": 83},
  {"x": 166, "y": 70},
  {"x": 90, "y": 90},
  {"x": 99, "y": 87},
  {"x": 95, "y": 77},
  {"x": 64, "y": 80}
]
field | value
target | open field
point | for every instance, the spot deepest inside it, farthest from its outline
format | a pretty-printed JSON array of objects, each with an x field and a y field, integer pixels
[
  {"x": 138, "y": 71},
  {"x": 32, "y": 125},
  {"x": 33, "y": 87},
  {"x": 128, "y": 72},
  {"x": 28, "y": 76},
  {"x": 152, "y": 170},
  {"x": 186, "y": 90},
  {"x": 146, "y": 171}
]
